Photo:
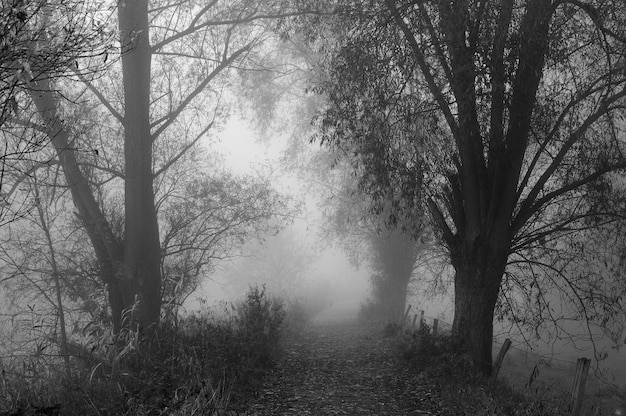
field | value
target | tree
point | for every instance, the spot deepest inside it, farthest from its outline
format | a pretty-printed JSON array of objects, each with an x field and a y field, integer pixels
[
  {"x": 207, "y": 220},
  {"x": 281, "y": 263},
  {"x": 39, "y": 258},
  {"x": 395, "y": 254},
  {"x": 519, "y": 110},
  {"x": 168, "y": 66},
  {"x": 370, "y": 234},
  {"x": 40, "y": 39}
]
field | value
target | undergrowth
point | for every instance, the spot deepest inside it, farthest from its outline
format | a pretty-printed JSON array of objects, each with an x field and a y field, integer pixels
[
  {"x": 204, "y": 363},
  {"x": 434, "y": 360}
]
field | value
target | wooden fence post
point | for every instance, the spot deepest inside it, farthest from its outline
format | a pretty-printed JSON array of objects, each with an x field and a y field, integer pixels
[
  {"x": 435, "y": 325},
  {"x": 498, "y": 363},
  {"x": 406, "y": 315},
  {"x": 578, "y": 390}
]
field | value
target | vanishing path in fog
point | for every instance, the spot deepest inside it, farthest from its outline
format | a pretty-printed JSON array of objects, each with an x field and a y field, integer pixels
[{"x": 341, "y": 367}]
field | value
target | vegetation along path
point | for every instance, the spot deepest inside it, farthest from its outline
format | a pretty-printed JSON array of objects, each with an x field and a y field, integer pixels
[{"x": 339, "y": 366}]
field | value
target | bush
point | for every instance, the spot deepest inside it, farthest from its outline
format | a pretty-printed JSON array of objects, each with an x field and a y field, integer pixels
[
  {"x": 259, "y": 325},
  {"x": 434, "y": 360},
  {"x": 371, "y": 311},
  {"x": 199, "y": 364},
  {"x": 433, "y": 355},
  {"x": 301, "y": 310}
]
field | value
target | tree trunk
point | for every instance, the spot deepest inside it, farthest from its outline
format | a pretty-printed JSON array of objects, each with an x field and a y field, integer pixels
[
  {"x": 396, "y": 299},
  {"x": 476, "y": 288},
  {"x": 142, "y": 252},
  {"x": 45, "y": 227},
  {"x": 107, "y": 248},
  {"x": 130, "y": 270}
]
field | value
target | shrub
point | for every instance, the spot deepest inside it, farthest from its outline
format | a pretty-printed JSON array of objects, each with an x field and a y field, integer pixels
[
  {"x": 301, "y": 310},
  {"x": 371, "y": 311},
  {"x": 435, "y": 361},
  {"x": 259, "y": 324},
  {"x": 199, "y": 364}
]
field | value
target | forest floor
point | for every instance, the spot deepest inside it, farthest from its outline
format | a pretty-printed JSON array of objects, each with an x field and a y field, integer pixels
[{"x": 340, "y": 366}]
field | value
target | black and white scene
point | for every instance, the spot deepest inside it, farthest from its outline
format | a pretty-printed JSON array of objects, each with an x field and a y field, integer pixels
[{"x": 312, "y": 207}]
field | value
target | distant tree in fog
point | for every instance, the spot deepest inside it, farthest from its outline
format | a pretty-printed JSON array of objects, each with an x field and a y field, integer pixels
[
  {"x": 512, "y": 113},
  {"x": 370, "y": 238},
  {"x": 281, "y": 263},
  {"x": 394, "y": 258},
  {"x": 207, "y": 220}
]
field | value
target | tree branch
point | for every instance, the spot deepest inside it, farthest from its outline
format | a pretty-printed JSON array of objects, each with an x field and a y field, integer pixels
[
  {"x": 100, "y": 97},
  {"x": 421, "y": 61},
  {"x": 182, "y": 152},
  {"x": 448, "y": 235},
  {"x": 523, "y": 216},
  {"x": 530, "y": 205},
  {"x": 594, "y": 15},
  {"x": 171, "y": 117},
  {"x": 496, "y": 129},
  {"x": 553, "y": 133},
  {"x": 194, "y": 27}
]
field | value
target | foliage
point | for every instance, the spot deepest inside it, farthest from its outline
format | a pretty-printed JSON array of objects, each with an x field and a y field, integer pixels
[
  {"x": 302, "y": 309},
  {"x": 41, "y": 39},
  {"x": 208, "y": 218},
  {"x": 434, "y": 360},
  {"x": 281, "y": 262},
  {"x": 505, "y": 119},
  {"x": 259, "y": 323},
  {"x": 200, "y": 363},
  {"x": 371, "y": 311}
]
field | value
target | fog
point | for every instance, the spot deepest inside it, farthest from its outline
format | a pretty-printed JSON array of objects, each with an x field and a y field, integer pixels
[
  {"x": 331, "y": 269},
  {"x": 245, "y": 154},
  {"x": 300, "y": 260},
  {"x": 553, "y": 352}
]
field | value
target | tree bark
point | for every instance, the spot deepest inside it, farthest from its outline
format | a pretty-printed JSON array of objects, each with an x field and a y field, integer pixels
[
  {"x": 108, "y": 249},
  {"x": 396, "y": 299},
  {"x": 142, "y": 253},
  {"x": 479, "y": 271}
]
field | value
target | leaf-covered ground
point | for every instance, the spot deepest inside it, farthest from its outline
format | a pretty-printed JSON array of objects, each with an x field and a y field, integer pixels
[{"x": 342, "y": 367}]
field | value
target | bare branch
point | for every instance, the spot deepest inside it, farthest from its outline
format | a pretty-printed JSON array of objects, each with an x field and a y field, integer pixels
[
  {"x": 194, "y": 27},
  {"x": 594, "y": 15},
  {"x": 100, "y": 97},
  {"x": 182, "y": 152},
  {"x": 421, "y": 61},
  {"x": 529, "y": 205},
  {"x": 171, "y": 117}
]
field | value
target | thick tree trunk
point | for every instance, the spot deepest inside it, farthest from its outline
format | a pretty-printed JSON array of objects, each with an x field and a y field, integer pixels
[
  {"x": 142, "y": 253},
  {"x": 131, "y": 270},
  {"x": 395, "y": 256},
  {"x": 477, "y": 286}
]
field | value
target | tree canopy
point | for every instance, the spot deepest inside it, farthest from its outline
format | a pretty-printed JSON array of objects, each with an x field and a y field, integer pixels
[{"x": 515, "y": 113}]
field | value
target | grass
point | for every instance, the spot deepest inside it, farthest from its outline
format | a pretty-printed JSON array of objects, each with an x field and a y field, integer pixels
[
  {"x": 206, "y": 363},
  {"x": 467, "y": 393}
]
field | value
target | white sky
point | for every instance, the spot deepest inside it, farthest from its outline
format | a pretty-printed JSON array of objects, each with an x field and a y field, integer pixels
[
  {"x": 242, "y": 151},
  {"x": 245, "y": 154}
]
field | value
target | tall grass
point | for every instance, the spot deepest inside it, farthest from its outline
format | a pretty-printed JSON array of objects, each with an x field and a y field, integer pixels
[
  {"x": 204, "y": 363},
  {"x": 462, "y": 391}
]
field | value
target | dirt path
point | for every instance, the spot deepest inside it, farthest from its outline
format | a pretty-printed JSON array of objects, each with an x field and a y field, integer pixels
[{"x": 340, "y": 367}]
